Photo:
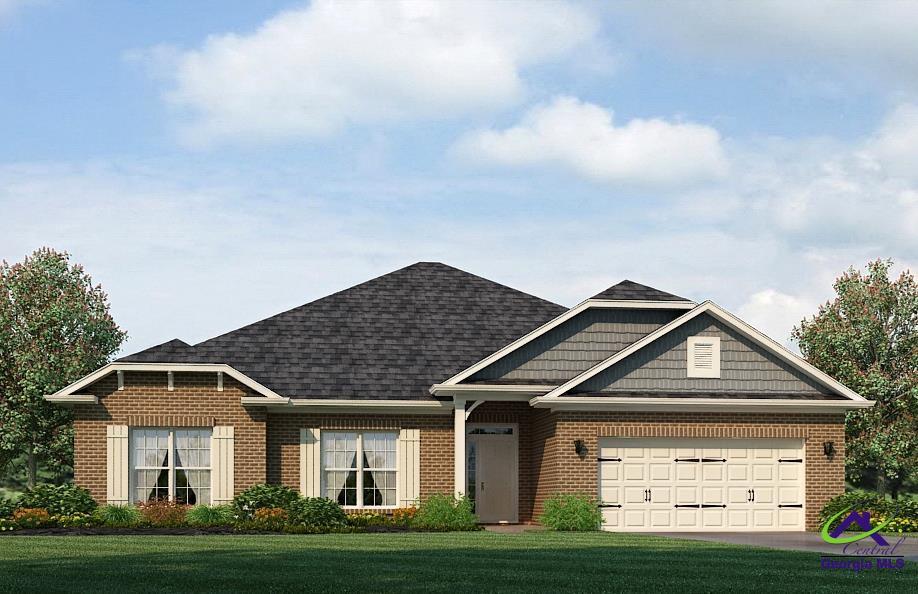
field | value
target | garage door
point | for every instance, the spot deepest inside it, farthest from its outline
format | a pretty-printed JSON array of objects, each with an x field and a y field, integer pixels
[{"x": 696, "y": 485}]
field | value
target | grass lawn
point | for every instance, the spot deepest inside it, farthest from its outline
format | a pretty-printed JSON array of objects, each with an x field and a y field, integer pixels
[{"x": 458, "y": 562}]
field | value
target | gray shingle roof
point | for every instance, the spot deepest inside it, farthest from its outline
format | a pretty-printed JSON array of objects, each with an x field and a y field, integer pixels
[
  {"x": 635, "y": 291},
  {"x": 388, "y": 338}
]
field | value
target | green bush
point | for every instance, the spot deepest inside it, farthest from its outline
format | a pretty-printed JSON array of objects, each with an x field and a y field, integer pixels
[
  {"x": 118, "y": 516},
  {"x": 74, "y": 521},
  {"x": 317, "y": 513},
  {"x": 905, "y": 512},
  {"x": 7, "y": 525},
  {"x": 263, "y": 496},
  {"x": 7, "y": 507},
  {"x": 571, "y": 512},
  {"x": 203, "y": 516},
  {"x": 445, "y": 513},
  {"x": 59, "y": 500}
]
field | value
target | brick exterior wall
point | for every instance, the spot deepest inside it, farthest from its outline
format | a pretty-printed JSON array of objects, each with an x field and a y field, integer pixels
[
  {"x": 147, "y": 402},
  {"x": 436, "y": 473},
  {"x": 825, "y": 477},
  {"x": 267, "y": 445}
]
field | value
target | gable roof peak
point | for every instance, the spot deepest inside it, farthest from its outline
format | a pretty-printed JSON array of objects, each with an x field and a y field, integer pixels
[{"x": 628, "y": 290}]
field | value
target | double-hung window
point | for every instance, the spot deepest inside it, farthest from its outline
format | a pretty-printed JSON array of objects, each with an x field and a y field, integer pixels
[
  {"x": 358, "y": 468},
  {"x": 171, "y": 464}
]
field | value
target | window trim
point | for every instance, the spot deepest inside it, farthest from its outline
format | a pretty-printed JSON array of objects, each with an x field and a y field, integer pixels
[
  {"x": 170, "y": 443},
  {"x": 697, "y": 372},
  {"x": 359, "y": 468}
]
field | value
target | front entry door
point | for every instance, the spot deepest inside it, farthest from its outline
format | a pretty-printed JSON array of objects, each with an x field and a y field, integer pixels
[{"x": 493, "y": 473}]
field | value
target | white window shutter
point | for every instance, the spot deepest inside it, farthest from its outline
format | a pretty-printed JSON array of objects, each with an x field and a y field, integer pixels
[
  {"x": 222, "y": 465},
  {"x": 310, "y": 463},
  {"x": 409, "y": 467},
  {"x": 117, "y": 465}
]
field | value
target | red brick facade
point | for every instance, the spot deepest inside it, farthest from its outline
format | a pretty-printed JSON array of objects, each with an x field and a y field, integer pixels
[
  {"x": 267, "y": 445},
  {"x": 146, "y": 401}
]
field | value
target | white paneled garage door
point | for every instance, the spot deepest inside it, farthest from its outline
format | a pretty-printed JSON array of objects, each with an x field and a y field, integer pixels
[{"x": 696, "y": 485}]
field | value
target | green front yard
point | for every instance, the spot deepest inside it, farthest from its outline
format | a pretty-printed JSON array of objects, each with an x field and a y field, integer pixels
[{"x": 454, "y": 562}]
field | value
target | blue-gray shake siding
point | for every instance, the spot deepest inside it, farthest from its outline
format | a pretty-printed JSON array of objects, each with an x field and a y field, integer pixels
[
  {"x": 575, "y": 346},
  {"x": 746, "y": 368}
]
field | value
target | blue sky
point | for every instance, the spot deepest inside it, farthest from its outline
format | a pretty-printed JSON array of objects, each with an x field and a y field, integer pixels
[{"x": 212, "y": 163}]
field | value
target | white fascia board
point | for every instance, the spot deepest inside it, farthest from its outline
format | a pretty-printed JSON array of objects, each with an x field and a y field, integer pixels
[
  {"x": 73, "y": 399},
  {"x": 154, "y": 367},
  {"x": 639, "y": 304},
  {"x": 634, "y": 347},
  {"x": 726, "y": 317},
  {"x": 602, "y": 403},
  {"x": 335, "y": 405},
  {"x": 574, "y": 311},
  {"x": 515, "y": 392}
]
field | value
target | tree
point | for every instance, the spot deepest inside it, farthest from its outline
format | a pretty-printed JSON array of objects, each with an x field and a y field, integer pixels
[
  {"x": 55, "y": 327},
  {"x": 867, "y": 338}
]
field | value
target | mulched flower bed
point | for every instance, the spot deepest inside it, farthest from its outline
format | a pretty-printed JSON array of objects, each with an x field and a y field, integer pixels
[{"x": 108, "y": 531}]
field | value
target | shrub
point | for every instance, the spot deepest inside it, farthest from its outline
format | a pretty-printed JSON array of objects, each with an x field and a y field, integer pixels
[
  {"x": 269, "y": 518},
  {"x": 74, "y": 521},
  {"x": 905, "y": 512},
  {"x": 119, "y": 516},
  {"x": 59, "y": 500},
  {"x": 364, "y": 519},
  {"x": 571, "y": 512},
  {"x": 32, "y": 517},
  {"x": 260, "y": 496},
  {"x": 7, "y": 507},
  {"x": 7, "y": 525},
  {"x": 210, "y": 515},
  {"x": 163, "y": 513},
  {"x": 317, "y": 513},
  {"x": 403, "y": 516},
  {"x": 445, "y": 513}
]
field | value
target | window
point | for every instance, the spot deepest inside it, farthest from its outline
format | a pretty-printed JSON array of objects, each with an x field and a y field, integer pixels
[
  {"x": 358, "y": 468},
  {"x": 171, "y": 464},
  {"x": 703, "y": 356}
]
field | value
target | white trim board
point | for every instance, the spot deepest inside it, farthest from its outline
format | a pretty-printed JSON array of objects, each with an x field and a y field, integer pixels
[
  {"x": 569, "y": 314},
  {"x": 333, "y": 405},
  {"x": 509, "y": 392},
  {"x": 163, "y": 367},
  {"x": 601, "y": 403},
  {"x": 727, "y": 318}
]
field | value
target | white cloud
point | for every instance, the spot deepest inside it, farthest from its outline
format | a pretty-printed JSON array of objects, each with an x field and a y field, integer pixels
[
  {"x": 895, "y": 146},
  {"x": 585, "y": 139},
  {"x": 776, "y": 313},
  {"x": 313, "y": 71},
  {"x": 866, "y": 38}
]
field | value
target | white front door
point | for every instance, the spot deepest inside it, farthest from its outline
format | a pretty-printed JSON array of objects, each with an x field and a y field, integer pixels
[
  {"x": 701, "y": 484},
  {"x": 492, "y": 472}
]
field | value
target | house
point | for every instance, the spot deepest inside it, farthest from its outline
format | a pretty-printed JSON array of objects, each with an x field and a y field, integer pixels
[{"x": 675, "y": 415}]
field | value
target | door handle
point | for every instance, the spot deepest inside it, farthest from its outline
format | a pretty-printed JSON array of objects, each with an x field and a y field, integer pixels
[
  {"x": 649, "y": 495},
  {"x": 482, "y": 486},
  {"x": 753, "y": 495}
]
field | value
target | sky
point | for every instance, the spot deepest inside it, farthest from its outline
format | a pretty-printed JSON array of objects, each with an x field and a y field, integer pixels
[{"x": 213, "y": 163}]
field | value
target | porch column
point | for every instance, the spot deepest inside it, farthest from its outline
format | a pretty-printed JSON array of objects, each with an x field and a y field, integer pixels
[{"x": 459, "y": 445}]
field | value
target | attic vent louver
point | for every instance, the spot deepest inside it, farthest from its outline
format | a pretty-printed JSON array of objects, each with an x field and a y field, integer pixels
[{"x": 703, "y": 356}]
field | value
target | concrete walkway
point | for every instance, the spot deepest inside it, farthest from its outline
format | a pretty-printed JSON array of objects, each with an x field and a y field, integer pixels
[{"x": 795, "y": 541}]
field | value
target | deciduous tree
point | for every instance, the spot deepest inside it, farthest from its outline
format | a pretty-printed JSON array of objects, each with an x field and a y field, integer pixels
[
  {"x": 867, "y": 338},
  {"x": 55, "y": 327}
]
